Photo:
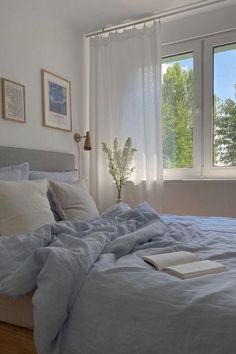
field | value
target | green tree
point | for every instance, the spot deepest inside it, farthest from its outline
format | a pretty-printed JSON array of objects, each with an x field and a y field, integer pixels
[
  {"x": 224, "y": 132},
  {"x": 177, "y": 99}
]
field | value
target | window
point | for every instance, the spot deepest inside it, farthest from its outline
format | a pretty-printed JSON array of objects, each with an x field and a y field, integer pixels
[
  {"x": 177, "y": 104},
  {"x": 181, "y": 119},
  {"x": 219, "y": 69},
  {"x": 224, "y": 106},
  {"x": 199, "y": 108}
]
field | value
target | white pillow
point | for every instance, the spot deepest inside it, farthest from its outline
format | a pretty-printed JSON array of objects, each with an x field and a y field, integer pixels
[
  {"x": 24, "y": 206},
  {"x": 73, "y": 201},
  {"x": 15, "y": 172}
]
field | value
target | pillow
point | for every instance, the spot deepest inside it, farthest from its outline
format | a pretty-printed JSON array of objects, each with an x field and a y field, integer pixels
[
  {"x": 66, "y": 176},
  {"x": 24, "y": 206},
  {"x": 15, "y": 173},
  {"x": 73, "y": 201}
]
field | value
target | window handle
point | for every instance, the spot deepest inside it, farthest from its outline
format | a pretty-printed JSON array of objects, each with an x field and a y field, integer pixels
[{"x": 197, "y": 109}]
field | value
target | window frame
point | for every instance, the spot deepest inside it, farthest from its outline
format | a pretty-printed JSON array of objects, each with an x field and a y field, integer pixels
[
  {"x": 210, "y": 171},
  {"x": 194, "y": 47}
]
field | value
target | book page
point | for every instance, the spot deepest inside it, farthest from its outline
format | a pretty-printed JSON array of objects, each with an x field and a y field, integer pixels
[
  {"x": 161, "y": 261},
  {"x": 195, "y": 269}
]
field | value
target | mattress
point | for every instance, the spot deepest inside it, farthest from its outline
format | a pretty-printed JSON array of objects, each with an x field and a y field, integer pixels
[{"x": 18, "y": 312}]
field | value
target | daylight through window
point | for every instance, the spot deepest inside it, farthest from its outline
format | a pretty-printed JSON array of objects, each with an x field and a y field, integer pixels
[
  {"x": 224, "y": 106},
  {"x": 177, "y": 103}
]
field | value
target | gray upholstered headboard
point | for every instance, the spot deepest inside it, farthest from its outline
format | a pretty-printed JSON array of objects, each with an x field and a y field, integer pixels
[{"x": 38, "y": 160}]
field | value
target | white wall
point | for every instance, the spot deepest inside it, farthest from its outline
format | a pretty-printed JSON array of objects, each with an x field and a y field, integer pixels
[
  {"x": 201, "y": 197},
  {"x": 203, "y": 23},
  {"x": 28, "y": 45}
]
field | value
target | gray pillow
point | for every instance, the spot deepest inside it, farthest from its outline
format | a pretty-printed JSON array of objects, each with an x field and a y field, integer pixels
[
  {"x": 15, "y": 173},
  {"x": 73, "y": 201},
  {"x": 65, "y": 176}
]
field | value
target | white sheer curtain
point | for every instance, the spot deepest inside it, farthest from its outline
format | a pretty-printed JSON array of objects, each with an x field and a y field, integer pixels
[{"x": 125, "y": 100}]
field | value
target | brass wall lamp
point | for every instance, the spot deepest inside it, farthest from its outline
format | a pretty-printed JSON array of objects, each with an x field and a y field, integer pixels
[{"x": 87, "y": 142}]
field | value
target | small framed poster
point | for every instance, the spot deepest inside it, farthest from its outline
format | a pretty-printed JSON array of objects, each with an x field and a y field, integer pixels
[
  {"x": 13, "y": 101},
  {"x": 56, "y": 101}
]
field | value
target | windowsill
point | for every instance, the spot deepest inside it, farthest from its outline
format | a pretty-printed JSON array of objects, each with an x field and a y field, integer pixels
[{"x": 201, "y": 179}]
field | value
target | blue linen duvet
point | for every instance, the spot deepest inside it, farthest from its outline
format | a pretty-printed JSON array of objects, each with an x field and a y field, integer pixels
[{"x": 95, "y": 295}]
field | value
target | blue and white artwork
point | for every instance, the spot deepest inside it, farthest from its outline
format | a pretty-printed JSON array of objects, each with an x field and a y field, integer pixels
[
  {"x": 57, "y": 98},
  {"x": 56, "y": 102}
]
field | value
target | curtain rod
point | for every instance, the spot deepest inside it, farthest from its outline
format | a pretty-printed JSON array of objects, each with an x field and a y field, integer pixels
[{"x": 160, "y": 15}]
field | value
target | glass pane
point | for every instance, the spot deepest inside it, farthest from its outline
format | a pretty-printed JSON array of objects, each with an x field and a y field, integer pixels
[
  {"x": 177, "y": 102},
  {"x": 224, "y": 149}
]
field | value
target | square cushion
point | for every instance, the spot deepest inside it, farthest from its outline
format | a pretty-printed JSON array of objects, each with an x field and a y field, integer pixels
[
  {"x": 24, "y": 206},
  {"x": 64, "y": 176},
  {"x": 73, "y": 201}
]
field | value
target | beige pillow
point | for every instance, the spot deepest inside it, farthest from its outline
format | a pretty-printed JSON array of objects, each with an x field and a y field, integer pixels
[
  {"x": 73, "y": 201},
  {"x": 24, "y": 206}
]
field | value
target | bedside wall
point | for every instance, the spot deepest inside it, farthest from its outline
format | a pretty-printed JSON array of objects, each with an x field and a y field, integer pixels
[{"x": 200, "y": 197}]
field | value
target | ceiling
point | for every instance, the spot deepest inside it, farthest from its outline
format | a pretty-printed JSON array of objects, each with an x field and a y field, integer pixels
[{"x": 90, "y": 15}]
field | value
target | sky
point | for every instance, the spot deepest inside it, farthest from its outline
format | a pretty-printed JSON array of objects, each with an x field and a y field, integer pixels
[{"x": 224, "y": 72}]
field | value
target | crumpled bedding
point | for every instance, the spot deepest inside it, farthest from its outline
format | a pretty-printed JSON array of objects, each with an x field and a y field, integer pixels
[{"x": 95, "y": 295}]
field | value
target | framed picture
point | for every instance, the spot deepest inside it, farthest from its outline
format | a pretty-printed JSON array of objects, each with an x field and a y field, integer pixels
[
  {"x": 13, "y": 101},
  {"x": 56, "y": 100}
]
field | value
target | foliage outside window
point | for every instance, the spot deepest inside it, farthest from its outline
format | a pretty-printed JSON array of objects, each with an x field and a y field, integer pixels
[
  {"x": 225, "y": 106},
  {"x": 177, "y": 102}
]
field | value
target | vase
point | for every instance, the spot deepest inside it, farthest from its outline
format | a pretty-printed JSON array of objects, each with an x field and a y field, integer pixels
[{"x": 118, "y": 198}]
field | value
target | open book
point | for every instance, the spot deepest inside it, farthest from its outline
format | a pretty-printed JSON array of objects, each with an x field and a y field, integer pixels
[{"x": 183, "y": 264}]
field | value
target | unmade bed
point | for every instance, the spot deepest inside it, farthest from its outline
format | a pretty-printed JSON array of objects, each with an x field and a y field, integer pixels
[{"x": 93, "y": 293}]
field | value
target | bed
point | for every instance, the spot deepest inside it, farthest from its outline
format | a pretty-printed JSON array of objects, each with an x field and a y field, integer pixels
[
  {"x": 16, "y": 316},
  {"x": 96, "y": 295}
]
